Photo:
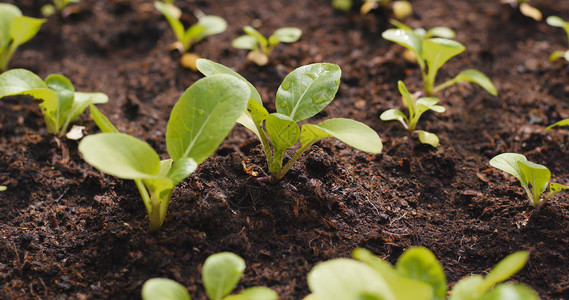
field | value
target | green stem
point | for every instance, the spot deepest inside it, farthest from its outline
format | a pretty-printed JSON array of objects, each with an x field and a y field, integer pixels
[
  {"x": 430, "y": 82},
  {"x": 291, "y": 162},
  {"x": 444, "y": 85},
  {"x": 145, "y": 196},
  {"x": 265, "y": 143}
]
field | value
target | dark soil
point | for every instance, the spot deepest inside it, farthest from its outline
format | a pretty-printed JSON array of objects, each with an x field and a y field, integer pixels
[{"x": 69, "y": 231}]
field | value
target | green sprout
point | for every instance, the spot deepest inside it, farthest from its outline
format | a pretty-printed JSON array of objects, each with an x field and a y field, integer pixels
[
  {"x": 431, "y": 50},
  {"x": 416, "y": 109},
  {"x": 206, "y": 26},
  {"x": 533, "y": 177},
  {"x": 303, "y": 93},
  {"x": 220, "y": 274},
  {"x": 59, "y": 102},
  {"x": 401, "y": 9},
  {"x": 564, "y": 122},
  {"x": 261, "y": 46},
  {"x": 556, "y": 21},
  {"x": 417, "y": 275},
  {"x": 525, "y": 8},
  {"x": 199, "y": 122},
  {"x": 15, "y": 30},
  {"x": 57, "y": 6}
]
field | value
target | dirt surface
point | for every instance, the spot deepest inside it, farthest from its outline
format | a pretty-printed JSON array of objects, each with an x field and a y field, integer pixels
[{"x": 70, "y": 232}]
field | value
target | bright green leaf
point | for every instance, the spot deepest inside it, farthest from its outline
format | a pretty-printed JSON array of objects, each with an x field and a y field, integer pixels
[
  {"x": 101, "y": 120},
  {"x": 287, "y": 34},
  {"x": 212, "y": 25},
  {"x": 443, "y": 32},
  {"x": 555, "y": 188},
  {"x": 564, "y": 122},
  {"x": 347, "y": 279},
  {"x": 394, "y": 115},
  {"x": 282, "y": 130},
  {"x": 24, "y": 28},
  {"x": 204, "y": 115},
  {"x": 256, "y": 34},
  {"x": 181, "y": 169},
  {"x": 537, "y": 175},
  {"x": 508, "y": 291},
  {"x": 8, "y": 12},
  {"x": 120, "y": 155},
  {"x": 477, "y": 77},
  {"x": 353, "y": 133},
  {"x": 467, "y": 288},
  {"x": 307, "y": 90},
  {"x": 420, "y": 264},
  {"x": 428, "y": 138},
  {"x": 508, "y": 162},
  {"x": 405, "y": 38},
  {"x": 164, "y": 289},
  {"x": 244, "y": 42},
  {"x": 175, "y": 24},
  {"x": 407, "y": 97},
  {"x": 427, "y": 103},
  {"x": 255, "y": 293},
  {"x": 83, "y": 100},
  {"x": 505, "y": 269},
  {"x": 437, "y": 51},
  {"x": 221, "y": 273},
  {"x": 556, "y": 21}
]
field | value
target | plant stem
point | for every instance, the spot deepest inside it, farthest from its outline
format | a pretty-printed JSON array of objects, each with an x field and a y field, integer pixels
[
  {"x": 145, "y": 196},
  {"x": 291, "y": 162},
  {"x": 444, "y": 85}
]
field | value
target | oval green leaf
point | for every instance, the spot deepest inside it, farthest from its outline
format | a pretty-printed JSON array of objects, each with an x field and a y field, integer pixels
[
  {"x": 256, "y": 34},
  {"x": 287, "y": 34},
  {"x": 204, "y": 115},
  {"x": 511, "y": 292},
  {"x": 24, "y": 28},
  {"x": 211, "y": 25},
  {"x": 428, "y": 138},
  {"x": 307, "y": 90},
  {"x": 508, "y": 162},
  {"x": 221, "y": 273},
  {"x": 164, "y": 289},
  {"x": 120, "y": 155},
  {"x": 255, "y": 293},
  {"x": 282, "y": 131},
  {"x": 420, "y": 264},
  {"x": 564, "y": 122},
  {"x": 244, "y": 42},
  {"x": 479, "y": 78},
  {"x": 437, "y": 51},
  {"x": 443, "y": 32},
  {"x": 556, "y": 21},
  {"x": 406, "y": 38},
  {"x": 505, "y": 269},
  {"x": 353, "y": 133},
  {"x": 537, "y": 175}
]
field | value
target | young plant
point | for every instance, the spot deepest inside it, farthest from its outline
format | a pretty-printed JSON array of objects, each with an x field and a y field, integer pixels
[
  {"x": 59, "y": 102},
  {"x": 533, "y": 177},
  {"x": 417, "y": 275},
  {"x": 261, "y": 46},
  {"x": 57, "y": 6},
  {"x": 525, "y": 8},
  {"x": 199, "y": 122},
  {"x": 556, "y": 21},
  {"x": 303, "y": 93},
  {"x": 432, "y": 52},
  {"x": 401, "y": 9},
  {"x": 206, "y": 26},
  {"x": 416, "y": 109},
  {"x": 564, "y": 122},
  {"x": 15, "y": 30},
  {"x": 220, "y": 274}
]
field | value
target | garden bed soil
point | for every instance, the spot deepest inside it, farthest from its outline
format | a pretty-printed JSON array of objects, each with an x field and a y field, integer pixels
[{"x": 69, "y": 231}]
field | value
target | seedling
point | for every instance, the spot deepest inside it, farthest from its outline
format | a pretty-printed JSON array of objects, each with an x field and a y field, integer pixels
[
  {"x": 303, "y": 93},
  {"x": 533, "y": 177},
  {"x": 199, "y": 122},
  {"x": 416, "y": 109},
  {"x": 207, "y": 25},
  {"x": 15, "y": 30},
  {"x": 401, "y": 9},
  {"x": 564, "y": 122},
  {"x": 525, "y": 8},
  {"x": 220, "y": 274},
  {"x": 57, "y": 6},
  {"x": 432, "y": 53},
  {"x": 556, "y": 21},
  {"x": 417, "y": 275},
  {"x": 59, "y": 102},
  {"x": 261, "y": 46}
]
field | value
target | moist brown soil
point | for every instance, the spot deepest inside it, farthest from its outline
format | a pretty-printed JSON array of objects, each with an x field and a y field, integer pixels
[{"x": 70, "y": 232}]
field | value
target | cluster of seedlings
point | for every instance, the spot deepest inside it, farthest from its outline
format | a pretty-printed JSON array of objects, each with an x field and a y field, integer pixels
[{"x": 207, "y": 111}]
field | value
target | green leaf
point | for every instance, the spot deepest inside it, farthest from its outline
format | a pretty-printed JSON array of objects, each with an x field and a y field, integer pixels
[
  {"x": 212, "y": 25},
  {"x": 443, "y": 32},
  {"x": 395, "y": 115},
  {"x": 347, "y": 279},
  {"x": 479, "y": 78},
  {"x": 467, "y": 288},
  {"x": 175, "y": 24},
  {"x": 181, "y": 169},
  {"x": 8, "y": 12},
  {"x": 420, "y": 264},
  {"x": 511, "y": 292},
  {"x": 3, "y": 188},
  {"x": 287, "y": 34},
  {"x": 204, "y": 115},
  {"x": 556, "y": 55},
  {"x": 257, "y": 35},
  {"x": 564, "y": 122},
  {"x": 407, "y": 96},
  {"x": 253, "y": 117},
  {"x": 282, "y": 131},
  {"x": 192, "y": 35},
  {"x": 65, "y": 95},
  {"x": 255, "y": 293},
  {"x": 244, "y": 42},
  {"x": 428, "y": 138},
  {"x": 437, "y": 51},
  {"x": 24, "y": 28},
  {"x": 556, "y": 21},
  {"x": 427, "y": 103},
  {"x": 164, "y": 289},
  {"x": 120, "y": 155},
  {"x": 555, "y": 188},
  {"x": 307, "y": 90},
  {"x": 406, "y": 38},
  {"x": 537, "y": 175},
  {"x": 221, "y": 273},
  {"x": 402, "y": 287},
  {"x": 508, "y": 162},
  {"x": 101, "y": 120},
  {"x": 83, "y": 100},
  {"x": 505, "y": 269},
  {"x": 353, "y": 133}
]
